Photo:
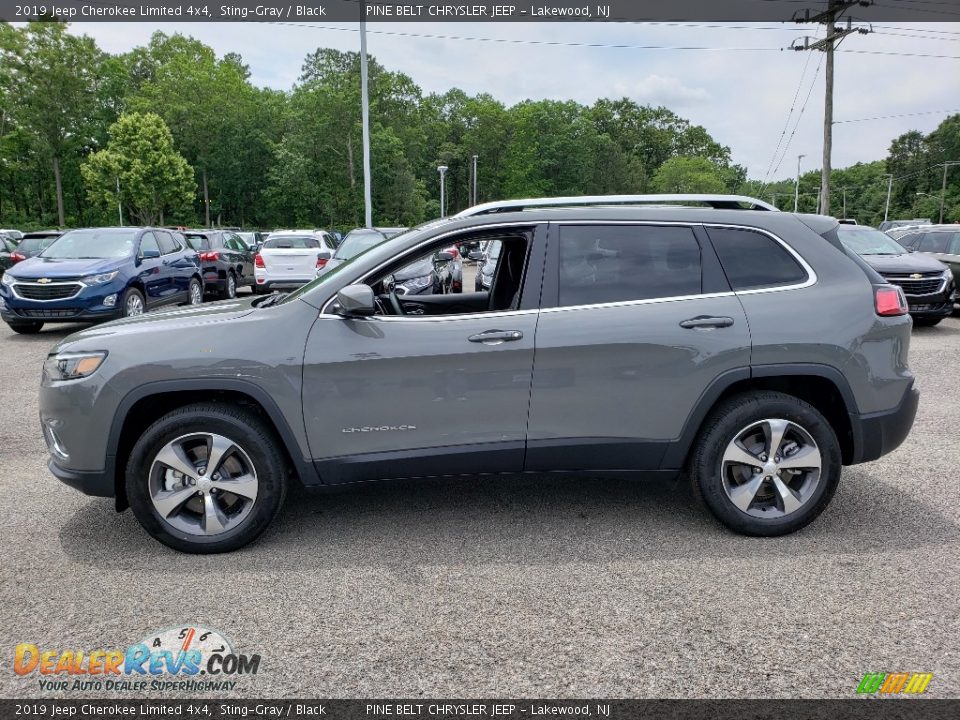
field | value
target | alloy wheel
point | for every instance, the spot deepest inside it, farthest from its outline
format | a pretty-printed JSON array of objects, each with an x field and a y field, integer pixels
[
  {"x": 231, "y": 286},
  {"x": 771, "y": 468},
  {"x": 133, "y": 305},
  {"x": 203, "y": 484},
  {"x": 196, "y": 294}
]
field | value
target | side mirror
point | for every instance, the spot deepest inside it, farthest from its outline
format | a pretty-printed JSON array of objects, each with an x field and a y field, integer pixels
[
  {"x": 149, "y": 254},
  {"x": 444, "y": 256},
  {"x": 356, "y": 301},
  {"x": 324, "y": 255}
]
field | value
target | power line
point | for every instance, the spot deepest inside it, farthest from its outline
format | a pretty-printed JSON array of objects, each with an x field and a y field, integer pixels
[
  {"x": 901, "y": 115},
  {"x": 796, "y": 125}
]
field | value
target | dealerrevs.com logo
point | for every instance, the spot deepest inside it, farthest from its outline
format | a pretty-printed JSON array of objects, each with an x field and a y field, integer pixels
[
  {"x": 188, "y": 658},
  {"x": 894, "y": 683}
]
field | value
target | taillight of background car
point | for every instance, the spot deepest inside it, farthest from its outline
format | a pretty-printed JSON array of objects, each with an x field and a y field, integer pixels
[
  {"x": 16, "y": 257},
  {"x": 321, "y": 262},
  {"x": 258, "y": 261},
  {"x": 212, "y": 256},
  {"x": 889, "y": 300}
]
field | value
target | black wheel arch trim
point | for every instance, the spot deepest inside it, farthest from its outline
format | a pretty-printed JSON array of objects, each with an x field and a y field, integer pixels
[
  {"x": 304, "y": 467},
  {"x": 676, "y": 455}
]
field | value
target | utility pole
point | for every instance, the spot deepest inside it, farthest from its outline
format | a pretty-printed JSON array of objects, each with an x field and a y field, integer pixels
[
  {"x": 796, "y": 194},
  {"x": 943, "y": 189},
  {"x": 886, "y": 208},
  {"x": 835, "y": 34},
  {"x": 365, "y": 101},
  {"x": 119, "y": 202},
  {"x": 844, "y": 203}
]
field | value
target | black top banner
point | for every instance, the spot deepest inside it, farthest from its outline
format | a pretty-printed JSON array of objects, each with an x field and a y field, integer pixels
[{"x": 472, "y": 10}]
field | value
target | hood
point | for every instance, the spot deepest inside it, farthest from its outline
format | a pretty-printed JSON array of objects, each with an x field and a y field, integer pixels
[
  {"x": 40, "y": 267},
  {"x": 177, "y": 318},
  {"x": 418, "y": 269},
  {"x": 906, "y": 263}
]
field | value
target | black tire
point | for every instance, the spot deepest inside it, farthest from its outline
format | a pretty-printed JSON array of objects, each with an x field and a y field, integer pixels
[
  {"x": 244, "y": 428},
  {"x": 127, "y": 295},
  {"x": 724, "y": 424},
  {"x": 926, "y": 321},
  {"x": 194, "y": 282},
  {"x": 31, "y": 327},
  {"x": 257, "y": 289},
  {"x": 229, "y": 291}
]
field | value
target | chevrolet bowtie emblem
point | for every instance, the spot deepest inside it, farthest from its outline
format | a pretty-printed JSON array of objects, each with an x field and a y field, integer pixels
[
  {"x": 916, "y": 276},
  {"x": 44, "y": 281}
]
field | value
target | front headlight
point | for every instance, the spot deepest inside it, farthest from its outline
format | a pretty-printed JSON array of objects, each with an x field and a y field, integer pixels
[
  {"x": 8, "y": 279},
  {"x": 100, "y": 279},
  {"x": 73, "y": 365},
  {"x": 417, "y": 283}
]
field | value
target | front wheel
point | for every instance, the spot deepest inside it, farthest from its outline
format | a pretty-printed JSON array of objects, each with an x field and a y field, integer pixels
[
  {"x": 132, "y": 303},
  {"x": 766, "y": 463},
  {"x": 230, "y": 287},
  {"x": 206, "y": 478}
]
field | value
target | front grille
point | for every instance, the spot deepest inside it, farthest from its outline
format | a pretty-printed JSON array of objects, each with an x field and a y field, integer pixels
[
  {"x": 48, "y": 313},
  {"x": 52, "y": 291},
  {"x": 926, "y": 284}
]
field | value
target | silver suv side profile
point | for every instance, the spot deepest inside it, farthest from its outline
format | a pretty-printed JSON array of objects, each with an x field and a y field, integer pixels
[{"x": 651, "y": 336}]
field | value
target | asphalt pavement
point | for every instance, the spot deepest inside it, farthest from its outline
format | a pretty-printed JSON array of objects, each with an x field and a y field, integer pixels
[{"x": 509, "y": 587}]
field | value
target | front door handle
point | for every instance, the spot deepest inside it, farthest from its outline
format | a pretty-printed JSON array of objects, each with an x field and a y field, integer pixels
[
  {"x": 707, "y": 321},
  {"x": 495, "y": 337}
]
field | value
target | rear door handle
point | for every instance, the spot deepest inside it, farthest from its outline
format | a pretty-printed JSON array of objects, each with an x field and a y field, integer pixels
[
  {"x": 495, "y": 337},
  {"x": 706, "y": 321}
]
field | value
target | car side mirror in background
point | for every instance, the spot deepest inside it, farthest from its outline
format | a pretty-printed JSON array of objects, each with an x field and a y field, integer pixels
[
  {"x": 444, "y": 256},
  {"x": 149, "y": 254},
  {"x": 324, "y": 255},
  {"x": 356, "y": 301}
]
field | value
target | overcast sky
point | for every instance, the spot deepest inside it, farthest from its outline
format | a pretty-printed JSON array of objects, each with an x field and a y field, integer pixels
[{"x": 741, "y": 96}]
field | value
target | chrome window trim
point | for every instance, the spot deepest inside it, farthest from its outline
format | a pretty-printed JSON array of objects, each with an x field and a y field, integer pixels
[
  {"x": 80, "y": 288},
  {"x": 811, "y": 275},
  {"x": 430, "y": 241}
]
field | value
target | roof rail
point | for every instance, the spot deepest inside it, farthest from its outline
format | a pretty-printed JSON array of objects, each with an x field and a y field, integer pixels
[{"x": 719, "y": 202}]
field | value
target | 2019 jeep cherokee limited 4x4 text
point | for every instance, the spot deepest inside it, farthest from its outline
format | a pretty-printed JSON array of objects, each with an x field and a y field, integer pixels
[{"x": 743, "y": 346}]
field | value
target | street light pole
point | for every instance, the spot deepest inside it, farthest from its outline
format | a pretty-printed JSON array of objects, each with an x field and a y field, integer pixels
[
  {"x": 365, "y": 101},
  {"x": 442, "y": 169},
  {"x": 886, "y": 208},
  {"x": 119, "y": 202},
  {"x": 474, "y": 197},
  {"x": 943, "y": 189},
  {"x": 796, "y": 195}
]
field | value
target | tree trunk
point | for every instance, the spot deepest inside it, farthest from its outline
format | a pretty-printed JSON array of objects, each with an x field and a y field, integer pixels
[
  {"x": 59, "y": 184},
  {"x": 161, "y": 218},
  {"x": 353, "y": 179},
  {"x": 206, "y": 199}
]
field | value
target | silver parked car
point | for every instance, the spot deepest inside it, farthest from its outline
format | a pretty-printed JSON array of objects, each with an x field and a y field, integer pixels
[{"x": 616, "y": 337}]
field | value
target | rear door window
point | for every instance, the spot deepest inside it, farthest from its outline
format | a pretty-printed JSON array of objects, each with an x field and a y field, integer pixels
[
  {"x": 167, "y": 243},
  {"x": 617, "y": 263},
  {"x": 754, "y": 260},
  {"x": 934, "y": 242}
]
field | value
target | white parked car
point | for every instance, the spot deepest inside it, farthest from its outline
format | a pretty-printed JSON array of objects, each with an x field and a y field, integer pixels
[{"x": 290, "y": 258}]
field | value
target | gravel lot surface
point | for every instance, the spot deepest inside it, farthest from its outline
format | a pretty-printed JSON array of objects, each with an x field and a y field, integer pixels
[{"x": 510, "y": 587}]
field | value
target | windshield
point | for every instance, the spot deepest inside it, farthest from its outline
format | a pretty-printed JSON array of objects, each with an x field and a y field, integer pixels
[
  {"x": 300, "y": 242},
  {"x": 95, "y": 243},
  {"x": 867, "y": 241},
  {"x": 357, "y": 242}
]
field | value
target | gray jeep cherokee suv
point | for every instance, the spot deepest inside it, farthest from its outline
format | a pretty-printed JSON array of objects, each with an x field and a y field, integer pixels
[{"x": 720, "y": 338}]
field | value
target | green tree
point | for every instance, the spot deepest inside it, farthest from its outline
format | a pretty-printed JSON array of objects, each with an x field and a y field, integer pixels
[
  {"x": 51, "y": 78},
  {"x": 153, "y": 177},
  {"x": 688, "y": 175}
]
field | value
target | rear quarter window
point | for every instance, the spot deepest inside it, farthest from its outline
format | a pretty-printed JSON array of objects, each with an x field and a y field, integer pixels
[{"x": 753, "y": 260}]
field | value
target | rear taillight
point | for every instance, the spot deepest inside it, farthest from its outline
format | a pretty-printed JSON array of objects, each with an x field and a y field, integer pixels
[
  {"x": 889, "y": 300},
  {"x": 16, "y": 257},
  {"x": 258, "y": 261},
  {"x": 209, "y": 256},
  {"x": 321, "y": 262}
]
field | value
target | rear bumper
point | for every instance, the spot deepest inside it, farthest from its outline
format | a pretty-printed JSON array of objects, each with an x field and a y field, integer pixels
[
  {"x": 877, "y": 434},
  {"x": 98, "y": 484}
]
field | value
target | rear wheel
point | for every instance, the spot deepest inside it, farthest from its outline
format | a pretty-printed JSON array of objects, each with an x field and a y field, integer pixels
[
  {"x": 195, "y": 292},
  {"x": 26, "y": 328},
  {"x": 230, "y": 286},
  {"x": 766, "y": 463},
  {"x": 206, "y": 478}
]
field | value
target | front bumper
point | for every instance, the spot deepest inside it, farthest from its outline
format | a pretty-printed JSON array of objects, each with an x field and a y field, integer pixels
[
  {"x": 15, "y": 315},
  {"x": 98, "y": 484},
  {"x": 876, "y": 434},
  {"x": 87, "y": 306}
]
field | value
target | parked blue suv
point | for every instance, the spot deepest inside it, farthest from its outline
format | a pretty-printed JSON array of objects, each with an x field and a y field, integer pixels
[{"x": 98, "y": 274}]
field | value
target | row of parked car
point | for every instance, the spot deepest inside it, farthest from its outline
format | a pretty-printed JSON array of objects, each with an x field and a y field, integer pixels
[{"x": 95, "y": 274}]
